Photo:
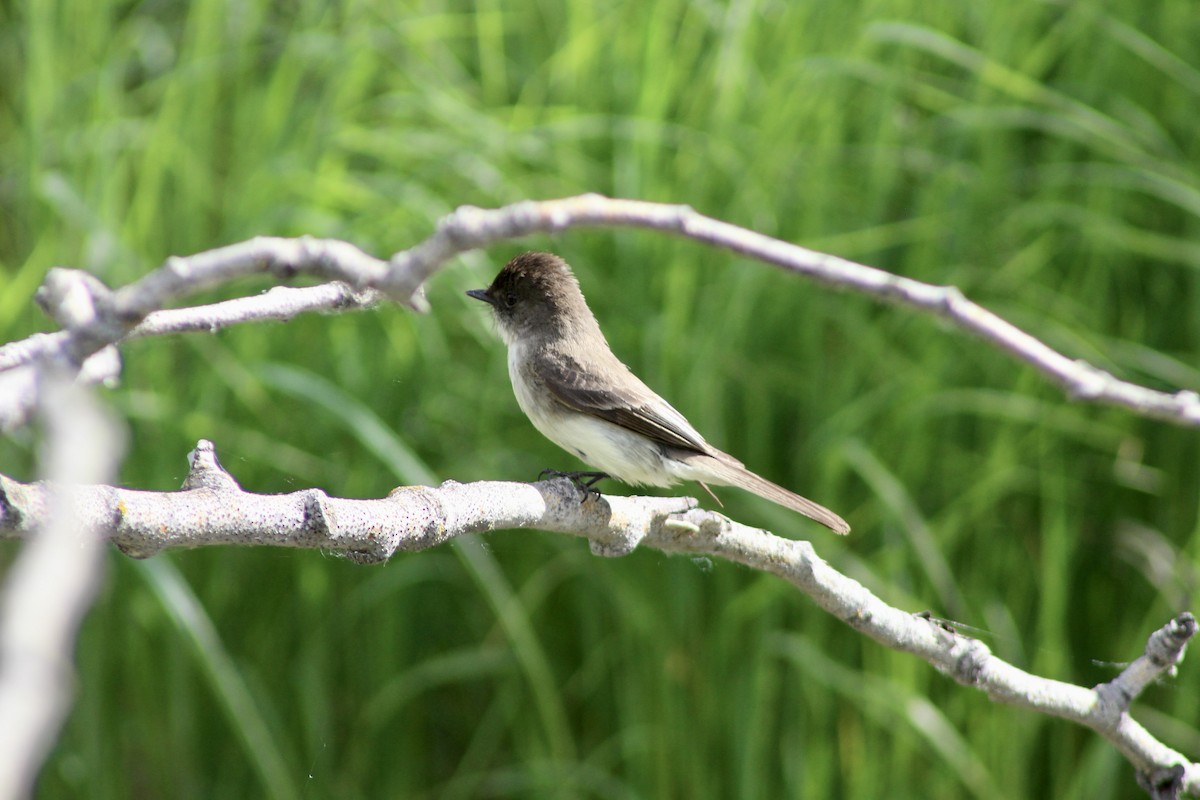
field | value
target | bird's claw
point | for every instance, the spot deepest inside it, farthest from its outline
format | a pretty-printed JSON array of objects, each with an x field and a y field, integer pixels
[{"x": 584, "y": 481}]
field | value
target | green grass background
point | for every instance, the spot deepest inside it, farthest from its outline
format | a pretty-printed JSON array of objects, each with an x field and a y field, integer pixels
[{"x": 1042, "y": 156}]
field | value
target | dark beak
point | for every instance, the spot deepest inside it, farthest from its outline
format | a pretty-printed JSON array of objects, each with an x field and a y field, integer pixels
[{"x": 481, "y": 294}]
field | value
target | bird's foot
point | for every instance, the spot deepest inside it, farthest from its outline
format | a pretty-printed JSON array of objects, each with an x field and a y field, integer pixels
[{"x": 585, "y": 481}]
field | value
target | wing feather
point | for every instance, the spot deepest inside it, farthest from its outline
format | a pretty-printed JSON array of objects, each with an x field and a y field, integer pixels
[{"x": 633, "y": 405}]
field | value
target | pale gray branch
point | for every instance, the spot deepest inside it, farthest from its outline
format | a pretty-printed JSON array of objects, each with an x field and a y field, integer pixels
[
  {"x": 277, "y": 304},
  {"x": 52, "y": 583},
  {"x": 213, "y": 510},
  {"x": 94, "y": 316},
  {"x": 469, "y": 228}
]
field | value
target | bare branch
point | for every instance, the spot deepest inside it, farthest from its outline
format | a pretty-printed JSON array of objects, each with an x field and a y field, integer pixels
[
  {"x": 284, "y": 258},
  {"x": 469, "y": 228},
  {"x": 51, "y": 585},
  {"x": 94, "y": 317},
  {"x": 278, "y": 304},
  {"x": 212, "y": 509}
]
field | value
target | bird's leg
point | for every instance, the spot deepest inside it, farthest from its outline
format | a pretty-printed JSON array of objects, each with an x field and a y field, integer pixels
[{"x": 585, "y": 481}]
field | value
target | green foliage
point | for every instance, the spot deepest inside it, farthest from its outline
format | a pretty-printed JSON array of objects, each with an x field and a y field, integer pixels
[{"x": 1040, "y": 155}]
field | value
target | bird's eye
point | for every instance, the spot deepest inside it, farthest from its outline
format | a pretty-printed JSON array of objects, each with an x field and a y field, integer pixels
[{"x": 510, "y": 299}]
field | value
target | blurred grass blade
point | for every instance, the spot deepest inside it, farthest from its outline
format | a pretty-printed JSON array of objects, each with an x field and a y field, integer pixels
[
  {"x": 514, "y": 621},
  {"x": 365, "y": 424},
  {"x": 889, "y": 702},
  {"x": 239, "y": 703},
  {"x": 886, "y": 485}
]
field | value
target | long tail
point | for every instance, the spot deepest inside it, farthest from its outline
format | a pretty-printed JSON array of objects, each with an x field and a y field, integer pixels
[{"x": 732, "y": 473}]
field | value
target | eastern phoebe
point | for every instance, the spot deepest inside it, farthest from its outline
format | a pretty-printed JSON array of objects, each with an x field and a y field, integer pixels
[{"x": 576, "y": 392}]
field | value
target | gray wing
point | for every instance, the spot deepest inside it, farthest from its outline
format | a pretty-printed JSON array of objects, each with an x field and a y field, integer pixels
[{"x": 633, "y": 406}]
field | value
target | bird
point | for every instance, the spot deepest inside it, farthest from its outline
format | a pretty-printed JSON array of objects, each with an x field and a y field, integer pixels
[{"x": 580, "y": 396}]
